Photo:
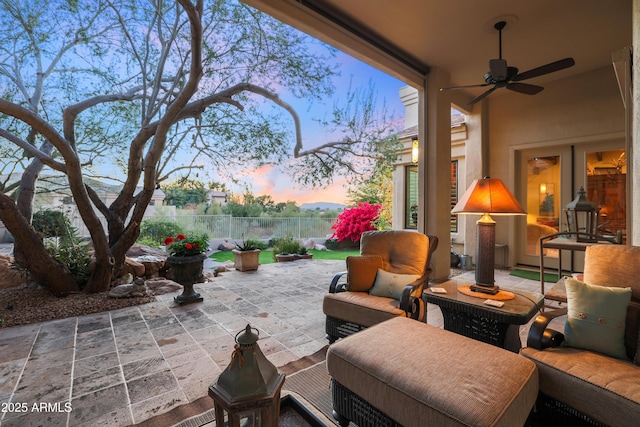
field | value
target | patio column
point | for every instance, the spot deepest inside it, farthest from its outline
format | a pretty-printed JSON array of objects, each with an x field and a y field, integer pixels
[
  {"x": 434, "y": 166},
  {"x": 476, "y": 167},
  {"x": 633, "y": 163}
]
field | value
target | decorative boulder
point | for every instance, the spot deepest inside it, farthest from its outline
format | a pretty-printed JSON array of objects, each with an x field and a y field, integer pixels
[
  {"x": 135, "y": 289},
  {"x": 133, "y": 267},
  {"x": 226, "y": 246},
  {"x": 8, "y": 276},
  {"x": 152, "y": 265}
]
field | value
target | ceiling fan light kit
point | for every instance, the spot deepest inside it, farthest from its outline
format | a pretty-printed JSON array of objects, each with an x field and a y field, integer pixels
[{"x": 500, "y": 75}]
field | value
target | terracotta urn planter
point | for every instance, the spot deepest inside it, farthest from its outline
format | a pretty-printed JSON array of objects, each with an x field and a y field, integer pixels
[
  {"x": 187, "y": 270},
  {"x": 246, "y": 260}
]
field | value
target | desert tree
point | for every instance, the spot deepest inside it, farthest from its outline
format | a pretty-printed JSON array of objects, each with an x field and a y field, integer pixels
[{"x": 152, "y": 89}]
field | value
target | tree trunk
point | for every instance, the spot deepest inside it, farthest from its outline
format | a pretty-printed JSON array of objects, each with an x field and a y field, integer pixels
[
  {"x": 26, "y": 194},
  {"x": 47, "y": 270}
]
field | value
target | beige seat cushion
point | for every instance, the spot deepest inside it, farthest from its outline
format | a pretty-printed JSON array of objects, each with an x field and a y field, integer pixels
[
  {"x": 599, "y": 386},
  {"x": 421, "y": 375},
  {"x": 360, "y": 308}
]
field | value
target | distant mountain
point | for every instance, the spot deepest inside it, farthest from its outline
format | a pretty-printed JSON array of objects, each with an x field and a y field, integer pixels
[{"x": 323, "y": 206}]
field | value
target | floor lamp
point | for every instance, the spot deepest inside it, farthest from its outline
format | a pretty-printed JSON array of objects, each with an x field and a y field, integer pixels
[{"x": 487, "y": 197}]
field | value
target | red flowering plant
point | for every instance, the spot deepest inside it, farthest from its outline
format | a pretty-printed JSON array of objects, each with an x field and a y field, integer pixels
[
  {"x": 182, "y": 245},
  {"x": 352, "y": 222}
]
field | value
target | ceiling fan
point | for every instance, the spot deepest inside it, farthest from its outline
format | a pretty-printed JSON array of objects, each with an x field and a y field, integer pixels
[{"x": 500, "y": 75}]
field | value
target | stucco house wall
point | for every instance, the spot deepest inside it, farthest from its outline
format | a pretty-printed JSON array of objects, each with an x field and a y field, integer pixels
[{"x": 584, "y": 109}]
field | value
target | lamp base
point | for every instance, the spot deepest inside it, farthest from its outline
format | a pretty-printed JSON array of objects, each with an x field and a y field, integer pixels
[{"x": 485, "y": 289}]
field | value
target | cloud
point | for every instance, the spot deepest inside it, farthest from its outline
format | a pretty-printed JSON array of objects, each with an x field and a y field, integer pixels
[{"x": 268, "y": 180}]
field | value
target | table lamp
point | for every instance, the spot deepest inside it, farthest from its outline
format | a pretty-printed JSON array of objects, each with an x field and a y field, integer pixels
[{"x": 487, "y": 197}]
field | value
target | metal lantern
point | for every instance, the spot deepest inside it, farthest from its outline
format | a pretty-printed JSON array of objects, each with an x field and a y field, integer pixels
[
  {"x": 248, "y": 390},
  {"x": 582, "y": 217}
]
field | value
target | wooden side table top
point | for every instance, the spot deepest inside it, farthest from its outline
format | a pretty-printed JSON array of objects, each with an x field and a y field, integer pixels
[{"x": 517, "y": 311}]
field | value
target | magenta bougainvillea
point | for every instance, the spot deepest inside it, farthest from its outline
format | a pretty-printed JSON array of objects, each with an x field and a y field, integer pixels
[{"x": 352, "y": 222}]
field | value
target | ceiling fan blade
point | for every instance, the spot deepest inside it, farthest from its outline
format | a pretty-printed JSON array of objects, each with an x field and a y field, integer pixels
[
  {"x": 545, "y": 69},
  {"x": 463, "y": 87},
  {"x": 525, "y": 88},
  {"x": 481, "y": 97}
]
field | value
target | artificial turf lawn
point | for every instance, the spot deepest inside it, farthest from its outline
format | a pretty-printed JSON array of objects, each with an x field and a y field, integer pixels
[{"x": 266, "y": 256}]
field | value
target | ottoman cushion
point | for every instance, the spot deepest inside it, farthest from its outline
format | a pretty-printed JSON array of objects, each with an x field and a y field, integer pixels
[{"x": 420, "y": 375}]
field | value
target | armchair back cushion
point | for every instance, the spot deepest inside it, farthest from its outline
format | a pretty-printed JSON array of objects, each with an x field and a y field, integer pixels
[
  {"x": 402, "y": 252},
  {"x": 617, "y": 265}
]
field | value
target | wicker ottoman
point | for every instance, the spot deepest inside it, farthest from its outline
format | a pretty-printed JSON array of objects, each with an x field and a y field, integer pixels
[{"x": 407, "y": 373}]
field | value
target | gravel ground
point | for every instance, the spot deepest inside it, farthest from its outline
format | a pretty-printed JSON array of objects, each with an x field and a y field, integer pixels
[{"x": 29, "y": 304}]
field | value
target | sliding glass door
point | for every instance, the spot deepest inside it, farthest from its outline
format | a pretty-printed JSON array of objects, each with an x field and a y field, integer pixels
[{"x": 549, "y": 178}]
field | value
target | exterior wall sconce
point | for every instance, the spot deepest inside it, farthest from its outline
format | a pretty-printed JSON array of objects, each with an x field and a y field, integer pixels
[{"x": 414, "y": 150}]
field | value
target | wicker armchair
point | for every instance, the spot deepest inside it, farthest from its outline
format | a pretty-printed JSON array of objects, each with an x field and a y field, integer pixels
[{"x": 385, "y": 281}]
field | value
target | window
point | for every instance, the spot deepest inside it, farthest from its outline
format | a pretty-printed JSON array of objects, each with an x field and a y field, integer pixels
[
  {"x": 454, "y": 194},
  {"x": 606, "y": 186},
  {"x": 411, "y": 197}
]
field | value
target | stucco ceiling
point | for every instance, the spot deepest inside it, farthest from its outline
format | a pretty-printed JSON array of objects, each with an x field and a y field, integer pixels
[{"x": 458, "y": 35}]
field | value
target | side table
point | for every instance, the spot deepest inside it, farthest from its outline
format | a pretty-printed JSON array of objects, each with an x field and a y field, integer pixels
[{"x": 469, "y": 316}]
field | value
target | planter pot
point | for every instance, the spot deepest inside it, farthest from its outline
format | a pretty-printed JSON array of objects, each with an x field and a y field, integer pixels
[
  {"x": 285, "y": 257},
  {"x": 187, "y": 270},
  {"x": 246, "y": 260},
  {"x": 305, "y": 256},
  {"x": 455, "y": 260}
]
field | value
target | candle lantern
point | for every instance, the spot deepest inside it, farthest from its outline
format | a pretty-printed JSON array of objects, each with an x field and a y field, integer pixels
[
  {"x": 582, "y": 217},
  {"x": 247, "y": 392}
]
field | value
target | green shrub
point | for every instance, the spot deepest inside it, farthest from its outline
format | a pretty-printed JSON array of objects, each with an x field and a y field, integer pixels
[
  {"x": 251, "y": 245},
  {"x": 285, "y": 245},
  {"x": 156, "y": 230},
  {"x": 51, "y": 223},
  {"x": 73, "y": 252},
  {"x": 147, "y": 242}
]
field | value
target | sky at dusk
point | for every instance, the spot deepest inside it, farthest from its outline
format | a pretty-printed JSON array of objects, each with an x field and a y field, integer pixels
[{"x": 281, "y": 187}]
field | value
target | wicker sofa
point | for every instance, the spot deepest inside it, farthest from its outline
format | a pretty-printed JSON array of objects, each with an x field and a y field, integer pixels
[
  {"x": 579, "y": 385},
  {"x": 393, "y": 261}
]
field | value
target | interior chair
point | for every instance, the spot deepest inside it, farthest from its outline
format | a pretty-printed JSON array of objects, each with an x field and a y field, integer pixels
[{"x": 385, "y": 281}]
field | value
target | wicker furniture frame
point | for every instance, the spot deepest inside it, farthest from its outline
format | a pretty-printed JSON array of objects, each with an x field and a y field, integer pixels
[
  {"x": 605, "y": 265},
  {"x": 469, "y": 316},
  {"x": 348, "y": 406}
]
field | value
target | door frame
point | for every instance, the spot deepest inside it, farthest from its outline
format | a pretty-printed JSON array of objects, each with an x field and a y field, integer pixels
[{"x": 572, "y": 176}]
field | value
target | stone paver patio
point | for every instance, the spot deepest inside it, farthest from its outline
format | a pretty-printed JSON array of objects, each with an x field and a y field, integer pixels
[{"x": 122, "y": 367}]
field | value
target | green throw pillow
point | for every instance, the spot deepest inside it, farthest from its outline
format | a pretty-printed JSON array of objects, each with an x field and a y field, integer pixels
[
  {"x": 596, "y": 317},
  {"x": 391, "y": 285}
]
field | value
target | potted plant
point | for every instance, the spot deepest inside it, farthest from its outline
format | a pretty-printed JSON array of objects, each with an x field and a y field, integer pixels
[
  {"x": 303, "y": 253},
  {"x": 186, "y": 259},
  {"x": 285, "y": 249},
  {"x": 246, "y": 255}
]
